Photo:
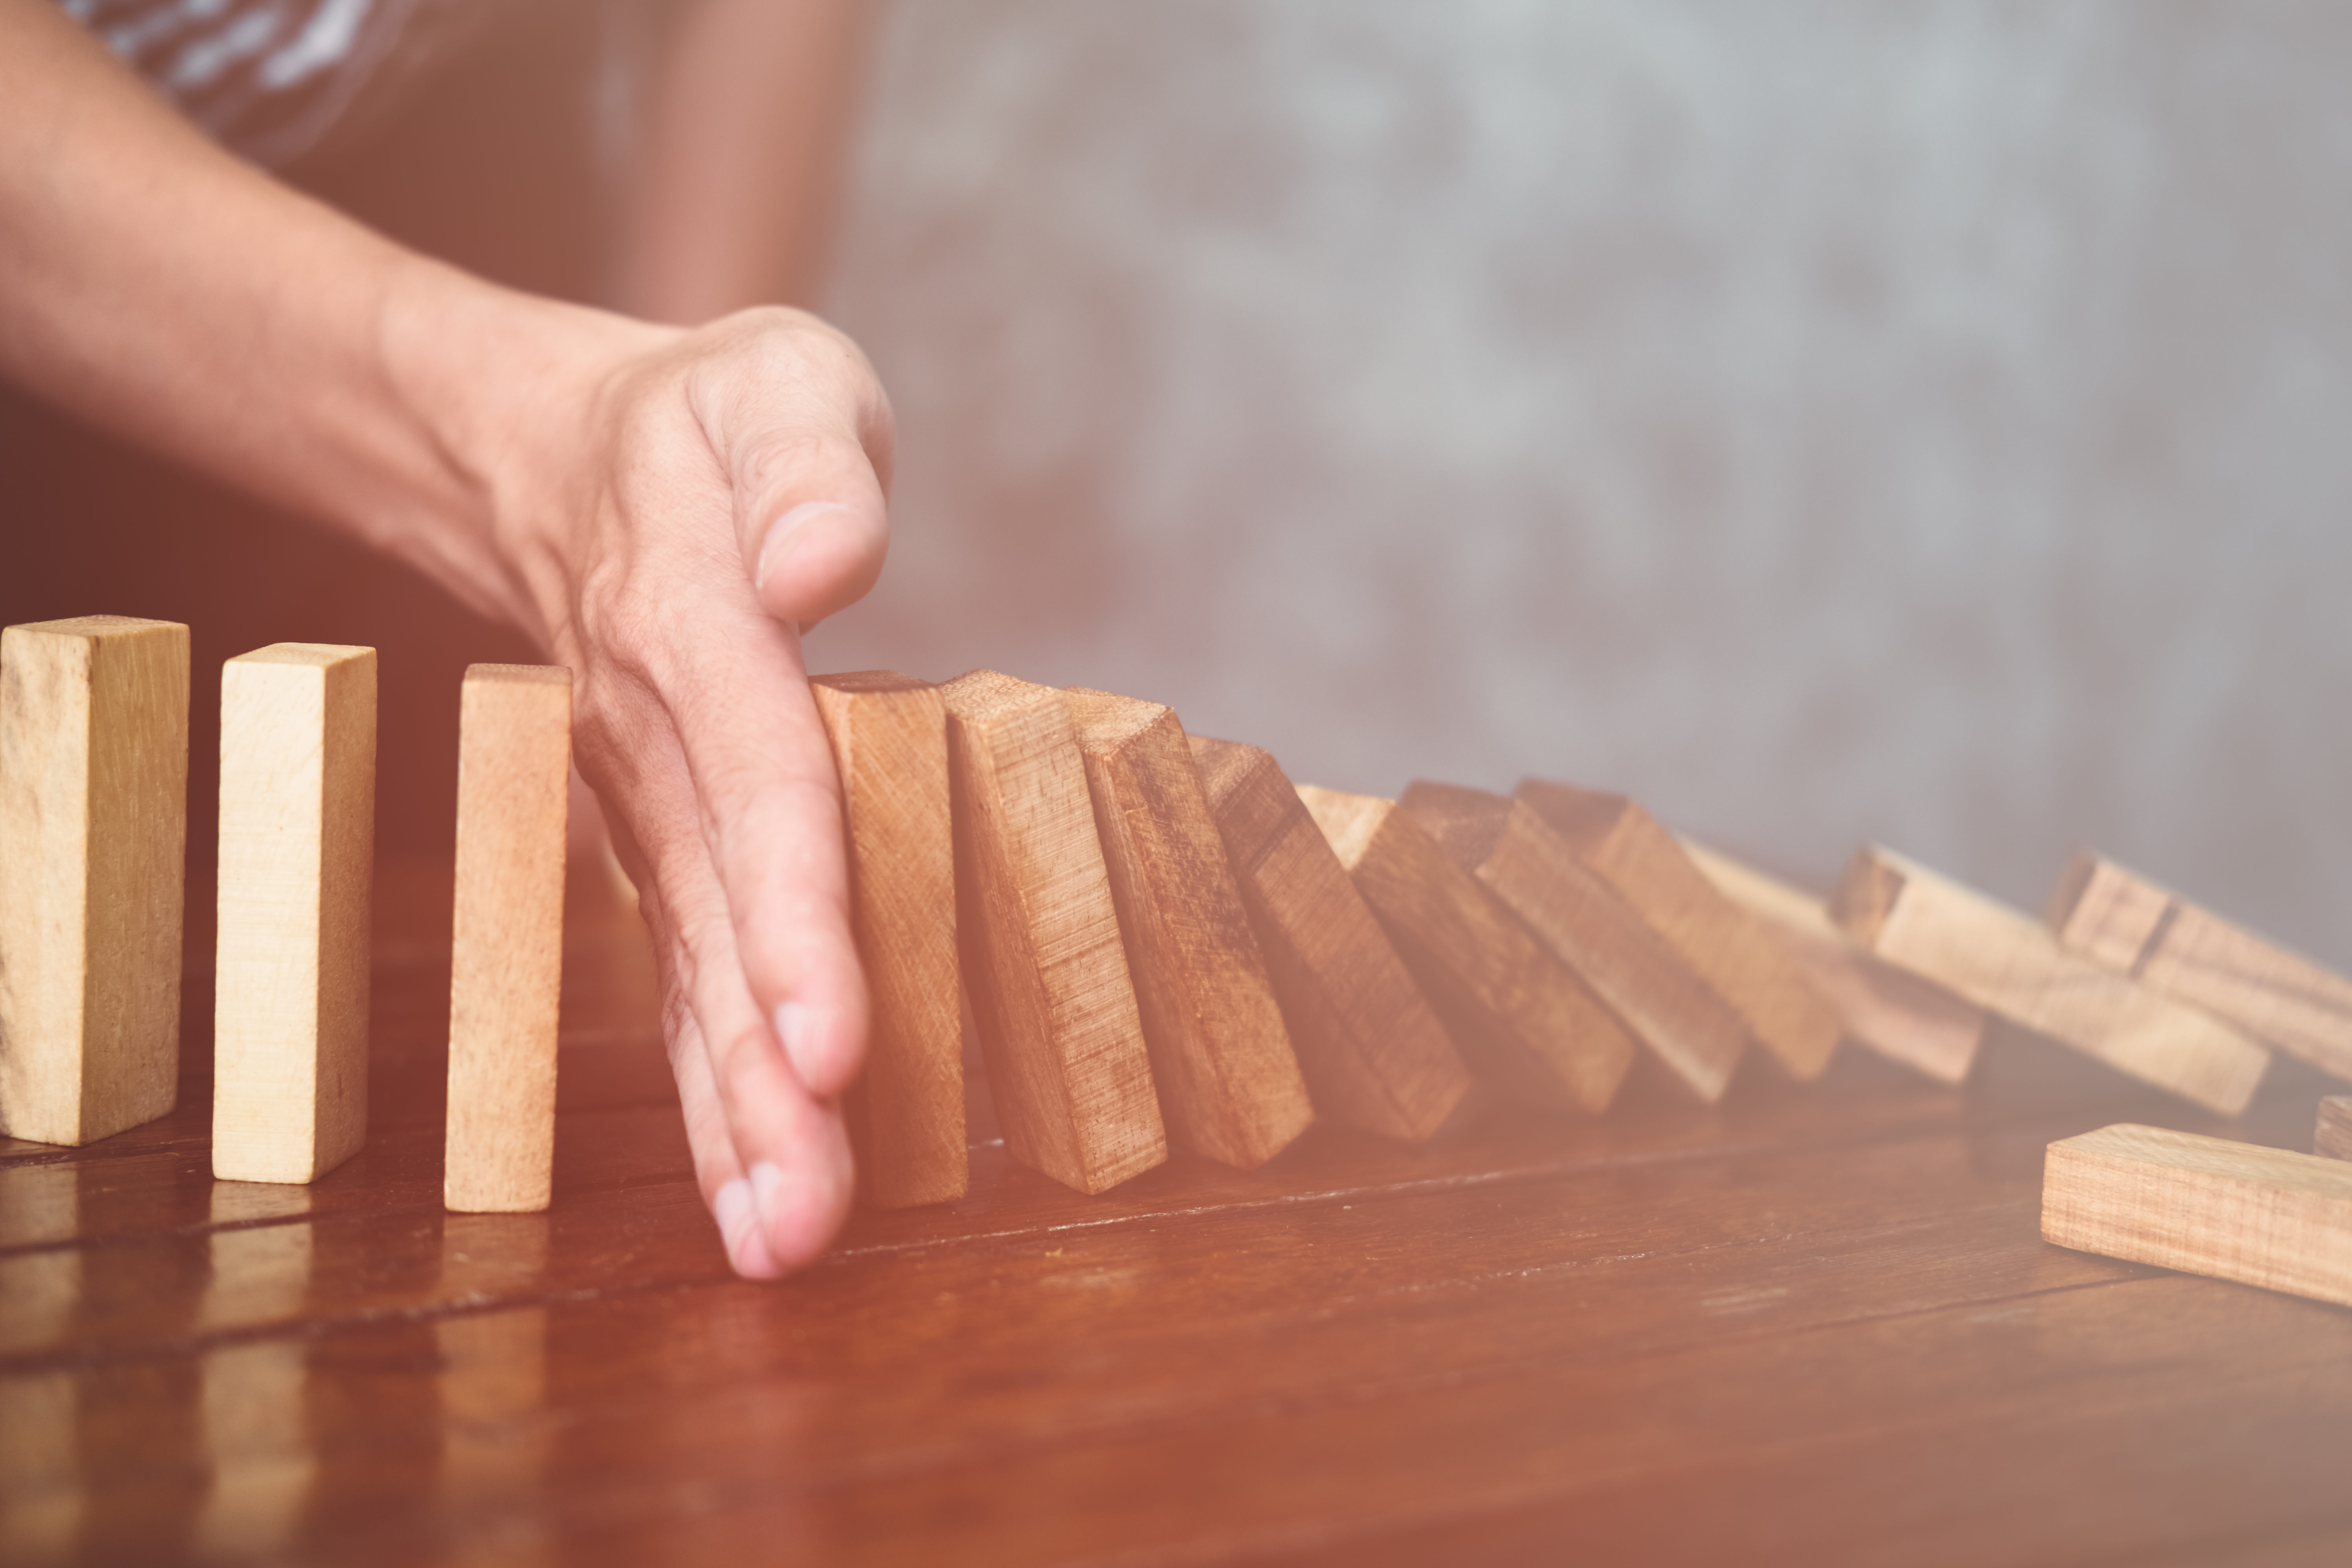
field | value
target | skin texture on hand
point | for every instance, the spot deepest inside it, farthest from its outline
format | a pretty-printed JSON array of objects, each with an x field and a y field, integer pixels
[{"x": 663, "y": 510}]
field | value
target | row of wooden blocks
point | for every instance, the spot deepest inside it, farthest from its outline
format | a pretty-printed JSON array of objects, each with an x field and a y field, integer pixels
[{"x": 93, "y": 826}]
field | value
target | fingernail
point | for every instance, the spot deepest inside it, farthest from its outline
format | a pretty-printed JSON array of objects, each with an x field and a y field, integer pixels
[
  {"x": 793, "y": 1029},
  {"x": 767, "y": 1186},
  {"x": 740, "y": 1228},
  {"x": 781, "y": 534}
]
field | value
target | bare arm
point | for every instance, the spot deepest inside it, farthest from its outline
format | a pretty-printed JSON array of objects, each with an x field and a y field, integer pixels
[{"x": 661, "y": 510}]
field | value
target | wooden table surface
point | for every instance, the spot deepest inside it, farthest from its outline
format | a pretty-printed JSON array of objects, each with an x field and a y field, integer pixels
[{"x": 1810, "y": 1326}]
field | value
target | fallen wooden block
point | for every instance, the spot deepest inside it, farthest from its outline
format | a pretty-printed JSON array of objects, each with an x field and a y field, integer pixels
[
  {"x": 1602, "y": 940},
  {"x": 514, "y": 756},
  {"x": 1373, "y": 1054},
  {"x": 1228, "y": 1080},
  {"x": 889, "y": 738},
  {"x": 1522, "y": 1016},
  {"x": 2008, "y": 963},
  {"x": 2333, "y": 1137},
  {"x": 2121, "y": 920},
  {"x": 2205, "y": 1206},
  {"x": 296, "y": 868},
  {"x": 93, "y": 836},
  {"x": 1735, "y": 955},
  {"x": 1050, "y": 992},
  {"x": 1892, "y": 1011}
]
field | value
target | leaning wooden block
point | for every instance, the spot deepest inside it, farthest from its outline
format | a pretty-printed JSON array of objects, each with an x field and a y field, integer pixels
[
  {"x": 1042, "y": 961},
  {"x": 1221, "y": 1058},
  {"x": 2205, "y": 1206},
  {"x": 889, "y": 738},
  {"x": 1728, "y": 948},
  {"x": 2127, "y": 923},
  {"x": 1526, "y": 1020},
  {"x": 93, "y": 834},
  {"x": 514, "y": 754},
  {"x": 2333, "y": 1137},
  {"x": 1373, "y": 1054},
  {"x": 1893, "y": 1011},
  {"x": 1597, "y": 934},
  {"x": 297, "y": 866},
  {"x": 2007, "y": 962}
]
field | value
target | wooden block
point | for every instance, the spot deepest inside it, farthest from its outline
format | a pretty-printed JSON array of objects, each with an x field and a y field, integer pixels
[
  {"x": 514, "y": 758},
  {"x": 1735, "y": 955},
  {"x": 1893, "y": 1011},
  {"x": 1373, "y": 1053},
  {"x": 889, "y": 739},
  {"x": 93, "y": 834},
  {"x": 1601, "y": 939},
  {"x": 2261, "y": 1216},
  {"x": 2333, "y": 1137},
  {"x": 2121, "y": 920},
  {"x": 297, "y": 870},
  {"x": 1051, "y": 997},
  {"x": 1524, "y": 1019},
  {"x": 1228, "y": 1080},
  {"x": 2007, "y": 962}
]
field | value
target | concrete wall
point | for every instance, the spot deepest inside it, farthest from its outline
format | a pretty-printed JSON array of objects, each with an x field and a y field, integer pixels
[{"x": 1925, "y": 422}]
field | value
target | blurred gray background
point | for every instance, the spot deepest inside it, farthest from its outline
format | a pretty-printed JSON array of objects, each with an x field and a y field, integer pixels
[{"x": 1922, "y": 422}]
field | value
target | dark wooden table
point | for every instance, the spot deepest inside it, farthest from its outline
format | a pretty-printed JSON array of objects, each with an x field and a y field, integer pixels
[{"x": 1810, "y": 1326}]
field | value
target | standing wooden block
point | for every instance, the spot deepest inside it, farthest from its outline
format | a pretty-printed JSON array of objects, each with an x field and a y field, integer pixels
[
  {"x": 889, "y": 739},
  {"x": 2007, "y": 962},
  {"x": 2121, "y": 920},
  {"x": 297, "y": 866},
  {"x": 1373, "y": 1054},
  {"x": 1737, "y": 957},
  {"x": 514, "y": 758},
  {"x": 1525, "y": 1019},
  {"x": 2333, "y": 1137},
  {"x": 1042, "y": 961},
  {"x": 1893, "y": 1011},
  {"x": 1221, "y": 1058},
  {"x": 93, "y": 834},
  {"x": 1590, "y": 928},
  {"x": 2205, "y": 1206}
]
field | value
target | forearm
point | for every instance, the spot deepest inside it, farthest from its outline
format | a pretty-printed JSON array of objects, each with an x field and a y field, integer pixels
[{"x": 164, "y": 290}]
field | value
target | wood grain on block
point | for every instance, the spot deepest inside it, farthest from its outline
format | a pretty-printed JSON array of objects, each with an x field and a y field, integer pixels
[
  {"x": 2007, "y": 962},
  {"x": 514, "y": 756},
  {"x": 1059, "y": 1030},
  {"x": 1228, "y": 1080},
  {"x": 2333, "y": 1137},
  {"x": 1373, "y": 1053},
  {"x": 93, "y": 837},
  {"x": 2264, "y": 1217},
  {"x": 296, "y": 868},
  {"x": 1589, "y": 927},
  {"x": 1892, "y": 1011},
  {"x": 1524, "y": 1019},
  {"x": 2120, "y": 919},
  {"x": 1728, "y": 948},
  {"x": 890, "y": 736}
]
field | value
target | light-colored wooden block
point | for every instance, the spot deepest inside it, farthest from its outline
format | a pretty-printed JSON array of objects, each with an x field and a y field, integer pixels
[
  {"x": 1523, "y": 1018},
  {"x": 1042, "y": 959},
  {"x": 1374, "y": 1055},
  {"x": 1228, "y": 1080},
  {"x": 94, "y": 837},
  {"x": 1589, "y": 927},
  {"x": 1893, "y": 1011},
  {"x": 514, "y": 758},
  {"x": 296, "y": 868},
  {"x": 2333, "y": 1137},
  {"x": 2261, "y": 1216},
  {"x": 2010, "y": 964},
  {"x": 2121, "y": 920},
  {"x": 889, "y": 737},
  {"x": 1737, "y": 957}
]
